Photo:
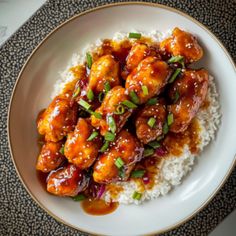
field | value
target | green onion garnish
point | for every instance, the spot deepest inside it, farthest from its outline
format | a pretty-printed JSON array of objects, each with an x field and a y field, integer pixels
[
  {"x": 152, "y": 101},
  {"x": 134, "y": 97},
  {"x": 100, "y": 97},
  {"x": 174, "y": 59},
  {"x": 76, "y": 93},
  {"x": 137, "y": 196},
  {"x": 119, "y": 163},
  {"x": 119, "y": 109},
  {"x": 104, "y": 146},
  {"x": 174, "y": 75},
  {"x": 165, "y": 128},
  {"x": 148, "y": 152},
  {"x": 109, "y": 136},
  {"x": 154, "y": 144},
  {"x": 145, "y": 90},
  {"x": 90, "y": 95},
  {"x": 62, "y": 149},
  {"x": 129, "y": 104},
  {"x": 112, "y": 124},
  {"x": 137, "y": 173},
  {"x": 151, "y": 122},
  {"x": 92, "y": 136},
  {"x": 96, "y": 114},
  {"x": 79, "y": 197},
  {"x": 122, "y": 172},
  {"x": 170, "y": 119},
  {"x": 89, "y": 60},
  {"x": 135, "y": 35},
  {"x": 176, "y": 96},
  {"x": 160, "y": 137},
  {"x": 84, "y": 104},
  {"x": 107, "y": 87}
]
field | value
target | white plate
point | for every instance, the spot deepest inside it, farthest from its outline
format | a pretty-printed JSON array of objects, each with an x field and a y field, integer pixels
[{"x": 32, "y": 93}]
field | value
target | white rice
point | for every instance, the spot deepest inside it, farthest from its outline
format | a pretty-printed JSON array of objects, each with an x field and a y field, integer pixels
[{"x": 173, "y": 169}]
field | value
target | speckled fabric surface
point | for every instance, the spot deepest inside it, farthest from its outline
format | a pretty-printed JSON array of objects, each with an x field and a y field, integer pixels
[{"x": 19, "y": 215}]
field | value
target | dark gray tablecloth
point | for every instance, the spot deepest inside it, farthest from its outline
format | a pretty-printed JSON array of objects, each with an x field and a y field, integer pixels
[{"x": 19, "y": 215}]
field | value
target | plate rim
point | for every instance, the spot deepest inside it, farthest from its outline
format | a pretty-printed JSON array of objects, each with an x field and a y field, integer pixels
[{"x": 150, "y": 4}]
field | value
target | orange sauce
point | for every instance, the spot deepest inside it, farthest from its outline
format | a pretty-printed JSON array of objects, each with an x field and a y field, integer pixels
[
  {"x": 114, "y": 190},
  {"x": 175, "y": 143},
  {"x": 98, "y": 206},
  {"x": 205, "y": 105}
]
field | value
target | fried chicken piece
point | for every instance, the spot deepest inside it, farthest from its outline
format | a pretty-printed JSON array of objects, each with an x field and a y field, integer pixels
[
  {"x": 184, "y": 44},
  {"x": 78, "y": 150},
  {"x": 192, "y": 90},
  {"x": 105, "y": 69},
  {"x": 137, "y": 53},
  {"x": 145, "y": 132},
  {"x": 152, "y": 74},
  {"x": 50, "y": 157},
  {"x": 58, "y": 119},
  {"x": 109, "y": 107},
  {"x": 67, "y": 181},
  {"x": 127, "y": 148}
]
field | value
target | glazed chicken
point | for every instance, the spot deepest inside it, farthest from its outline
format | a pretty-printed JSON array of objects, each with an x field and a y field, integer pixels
[
  {"x": 148, "y": 78},
  {"x": 67, "y": 181},
  {"x": 137, "y": 53},
  {"x": 78, "y": 149},
  {"x": 192, "y": 90},
  {"x": 126, "y": 148},
  {"x": 184, "y": 44},
  {"x": 105, "y": 69},
  {"x": 122, "y": 113},
  {"x": 109, "y": 108},
  {"x": 148, "y": 132},
  {"x": 50, "y": 157},
  {"x": 58, "y": 119}
]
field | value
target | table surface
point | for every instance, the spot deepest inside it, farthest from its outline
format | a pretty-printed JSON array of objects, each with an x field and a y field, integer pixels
[{"x": 18, "y": 213}]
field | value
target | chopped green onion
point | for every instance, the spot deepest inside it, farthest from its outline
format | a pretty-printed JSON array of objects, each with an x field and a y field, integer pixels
[
  {"x": 134, "y": 97},
  {"x": 151, "y": 122},
  {"x": 137, "y": 173},
  {"x": 170, "y": 119},
  {"x": 137, "y": 196},
  {"x": 119, "y": 109},
  {"x": 90, "y": 94},
  {"x": 165, "y": 128},
  {"x": 89, "y": 60},
  {"x": 107, "y": 87},
  {"x": 122, "y": 172},
  {"x": 104, "y": 146},
  {"x": 112, "y": 124},
  {"x": 96, "y": 114},
  {"x": 109, "y": 136},
  {"x": 145, "y": 90},
  {"x": 119, "y": 163},
  {"x": 100, "y": 97},
  {"x": 148, "y": 152},
  {"x": 92, "y": 136},
  {"x": 176, "y": 96},
  {"x": 76, "y": 93},
  {"x": 135, "y": 35},
  {"x": 84, "y": 104},
  {"x": 79, "y": 197},
  {"x": 129, "y": 104},
  {"x": 154, "y": 144},
  {"x": 175, "y": 59},
  {"x": 160, "y": 137},
  {"x": 62, "y": 149},
  {"x": 152, "y": 101},
  {"x": 174, "y": 75}
]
